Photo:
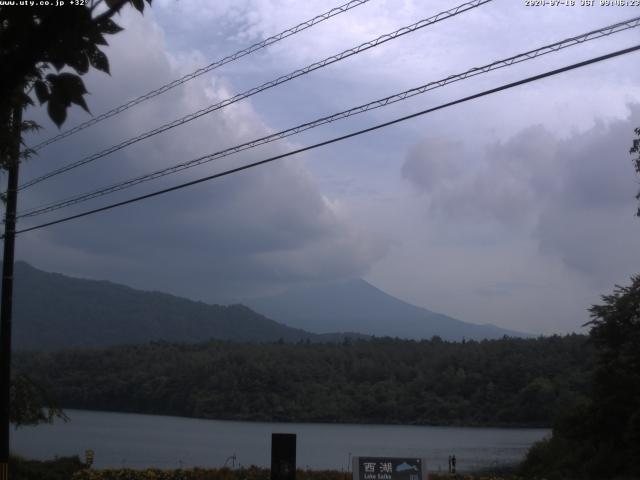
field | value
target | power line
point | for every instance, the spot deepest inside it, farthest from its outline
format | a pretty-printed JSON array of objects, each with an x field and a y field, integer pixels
[
  {"x": 554, "y": 47},
  {"x": 336, "y": 139},
  {"x": 201, "y": 71},
  {"x": 265, "y": 86}
]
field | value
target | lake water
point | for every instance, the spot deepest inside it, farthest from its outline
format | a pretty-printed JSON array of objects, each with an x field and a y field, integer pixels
[{"x": 138, "y": 441}]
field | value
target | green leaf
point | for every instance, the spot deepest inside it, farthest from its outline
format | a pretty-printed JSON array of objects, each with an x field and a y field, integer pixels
[
  {"x": 26, "y": 99},
  {"x": 58, "y": 64},
  {"x": 30, "y": 126},
  {"x": 73, "y": 88},
  {"x": 72, "y": 83},
  {"x": 99, "y": 61},
  {"x": 98, "y": 38},
  {"x": 108, "y": 26},
  {"x": 81, "y": 102},
  {"x": 42, "y": 91},
  {"x": 57, "y": 111},
  {"x": 138, "y": 5},
  {"x": 30, "y": 403},
  {"x": 66, "y": 88},
  {"x": 79, "y": 61},
  {"x": 27, "y": 153}
]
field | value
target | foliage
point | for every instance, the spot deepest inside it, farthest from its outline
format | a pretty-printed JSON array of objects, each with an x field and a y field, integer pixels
[
  {"x": 38, "y": 46},
  {"x": 251, "y": 473},
  {"x": 449, "y": 476},
  {"x": 615, "y": 413},
  {"x": 31, "y": 404},
  {"x": 34, "y": 39},
  {"x": 72, "y": 468},
  {"x": 59, "y": 469},
  {"x": 601, "y": 438},
  {"x": 39, "y": 38},
  {"x": 635, "y": 148},
  {"x": 509, "y": 382}
]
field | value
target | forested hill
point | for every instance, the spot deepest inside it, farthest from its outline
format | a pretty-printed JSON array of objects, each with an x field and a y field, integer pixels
[
  {"x": 507, "y": 382},
  {"x": 53, "y": 311}
]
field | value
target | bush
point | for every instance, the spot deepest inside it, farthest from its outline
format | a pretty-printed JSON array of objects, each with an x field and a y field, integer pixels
[
  {"x": 251, "y": 473},
  {"x": 58, "y": 469}
]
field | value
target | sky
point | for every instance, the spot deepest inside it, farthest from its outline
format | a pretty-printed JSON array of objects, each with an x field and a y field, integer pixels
[{"x": 515, "y": 209}]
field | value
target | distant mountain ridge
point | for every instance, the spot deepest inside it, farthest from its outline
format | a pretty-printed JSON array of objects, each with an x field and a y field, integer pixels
[
  {"x": 355, "y": 305},
  {"x": 54, "y": 311}
]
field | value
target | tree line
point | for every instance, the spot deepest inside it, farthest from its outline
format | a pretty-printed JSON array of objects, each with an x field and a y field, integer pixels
[
  {"x": 506, "y": 382},
  {"x": 600, "y": 437}
]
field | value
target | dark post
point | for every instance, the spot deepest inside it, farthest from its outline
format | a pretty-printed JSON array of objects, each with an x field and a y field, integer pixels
[
  {"x": 283, "y": 456},
  {"x": 7, "y": 290}
]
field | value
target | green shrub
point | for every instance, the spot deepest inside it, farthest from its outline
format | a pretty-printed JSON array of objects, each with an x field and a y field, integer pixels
[
  {"x": 251, "y": 473},
  {"x": 58, "y": 469}
]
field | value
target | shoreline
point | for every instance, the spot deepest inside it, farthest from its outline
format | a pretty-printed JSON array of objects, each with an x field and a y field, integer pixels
[{"x": 509, "y": 426}]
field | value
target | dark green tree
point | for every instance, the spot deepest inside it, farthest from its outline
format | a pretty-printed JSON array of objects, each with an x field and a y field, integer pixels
[
  {"x": 44, "y": 51},
  {"x": 31, "y": 404},
  {"x": 615, "y": 411},
  {"x": 38, "y": 42},
  {"x": 600, "y": 438},
  {"x": 635, "y": 149}
]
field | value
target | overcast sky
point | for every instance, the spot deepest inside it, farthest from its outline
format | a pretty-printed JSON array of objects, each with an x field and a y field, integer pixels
[{"x": 516, "y": 209}]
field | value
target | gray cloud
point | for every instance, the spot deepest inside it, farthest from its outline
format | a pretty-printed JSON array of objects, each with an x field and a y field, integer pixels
[
  {"x": 433, "y": 163},
  {"x": 573, "y": 195},
  {"x": 215, "y": 241},
  {"x": 513, "y": 223}
]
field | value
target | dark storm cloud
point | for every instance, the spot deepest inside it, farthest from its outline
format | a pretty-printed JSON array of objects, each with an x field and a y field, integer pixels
[{"x": 214, "y": 241}]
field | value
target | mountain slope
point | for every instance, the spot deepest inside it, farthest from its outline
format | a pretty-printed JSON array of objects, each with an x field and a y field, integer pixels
[
  {"x": 53, "y": 311},
  {"x": 355, "y": 305}
]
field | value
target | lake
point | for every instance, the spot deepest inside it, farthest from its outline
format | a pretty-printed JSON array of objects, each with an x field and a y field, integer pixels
[{"x": 139, "y": 441}]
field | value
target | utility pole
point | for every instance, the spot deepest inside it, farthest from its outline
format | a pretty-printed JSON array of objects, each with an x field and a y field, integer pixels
[{"x": 6, "y": 304}]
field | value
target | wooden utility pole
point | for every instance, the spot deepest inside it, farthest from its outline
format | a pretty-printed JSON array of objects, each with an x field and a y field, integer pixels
[{"x": 13, "y": 163}]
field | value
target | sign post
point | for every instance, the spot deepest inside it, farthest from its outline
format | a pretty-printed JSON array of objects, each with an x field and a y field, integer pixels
[
  {"x": 283, "y": 456},
  {"x": 389, "y": 468}
]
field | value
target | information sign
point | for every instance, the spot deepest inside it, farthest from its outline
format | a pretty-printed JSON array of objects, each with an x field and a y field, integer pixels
[{"x": 389, "y": 468}]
